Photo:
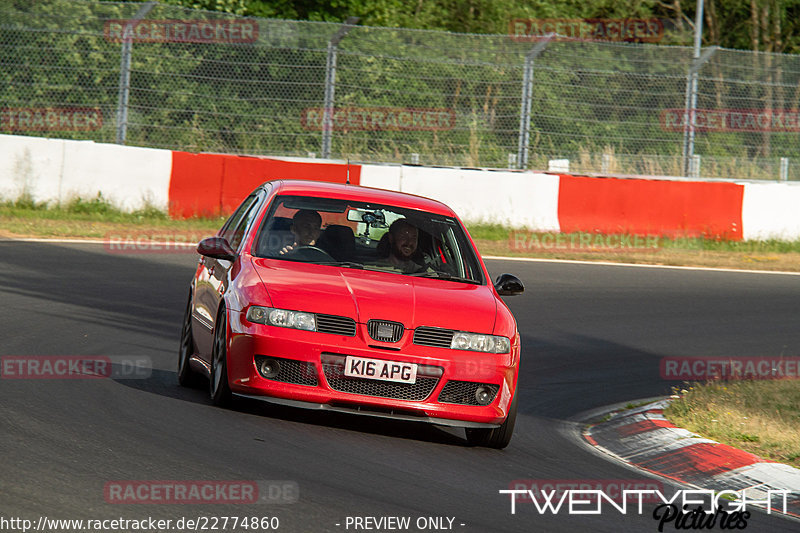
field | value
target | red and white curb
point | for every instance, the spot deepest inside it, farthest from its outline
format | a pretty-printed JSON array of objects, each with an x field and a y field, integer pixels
[{"x": 645, "y": 439}]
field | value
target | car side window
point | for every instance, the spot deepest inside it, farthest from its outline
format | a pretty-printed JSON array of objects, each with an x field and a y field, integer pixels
[
  {"x": 246, "y": 222},
  {"x": 234, "y": 228}
]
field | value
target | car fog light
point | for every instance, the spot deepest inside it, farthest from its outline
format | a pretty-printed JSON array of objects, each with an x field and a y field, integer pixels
[
  {"x": 483, "y": 395},
  {"x": 270, "y": 368}
]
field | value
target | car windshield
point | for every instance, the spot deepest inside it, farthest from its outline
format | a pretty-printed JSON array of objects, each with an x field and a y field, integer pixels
[{"x": 367, "y": 236}]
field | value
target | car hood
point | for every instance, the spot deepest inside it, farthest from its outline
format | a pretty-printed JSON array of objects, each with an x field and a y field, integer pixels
[{"x": 364, "y": 295}]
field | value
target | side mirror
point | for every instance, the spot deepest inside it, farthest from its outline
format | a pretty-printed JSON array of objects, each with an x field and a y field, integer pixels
[
  {"x": 508, "y": 285},
  {"x": 216, "y": 247}
]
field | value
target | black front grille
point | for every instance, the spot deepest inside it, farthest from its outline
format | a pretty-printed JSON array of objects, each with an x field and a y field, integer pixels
[
  {"x": 436, "y": 337},
  {"x": 291, "y": 371},
  {"x": 334, "y": 374},
  {"x": 338, "y": 325},
  {"x": 385, "y": 331},
  {"x": 463, "y": 392}
]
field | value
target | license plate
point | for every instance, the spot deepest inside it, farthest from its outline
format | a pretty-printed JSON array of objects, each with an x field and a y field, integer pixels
[{"x": 362, "y": 367}]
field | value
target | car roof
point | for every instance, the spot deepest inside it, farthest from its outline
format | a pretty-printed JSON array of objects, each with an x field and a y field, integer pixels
[{"x": 360, "y": 194}]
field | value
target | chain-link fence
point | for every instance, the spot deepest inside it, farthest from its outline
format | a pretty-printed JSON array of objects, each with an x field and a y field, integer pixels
[{"x": 147, "y": 74}]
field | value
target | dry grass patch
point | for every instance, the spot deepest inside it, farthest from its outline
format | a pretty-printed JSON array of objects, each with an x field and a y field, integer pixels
[{"x": 761, "y": 417}]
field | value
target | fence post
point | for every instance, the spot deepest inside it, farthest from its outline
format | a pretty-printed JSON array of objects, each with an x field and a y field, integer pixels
[
  {"x": 691, "y": 105},
  {"x": 694, "y": 167},
  {"x": 605, "y": 165},
  {"x": 125, "y": 71},
  {"x": 330, "y": 83},
  {"x": 784, "y": 168},
  {"x": 527, "y": 97},
  {"x": 512, "y": 160}
]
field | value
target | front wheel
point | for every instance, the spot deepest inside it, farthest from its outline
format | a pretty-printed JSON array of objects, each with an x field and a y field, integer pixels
[
  {"x": 495, "y": 437},
  {"x": 218, "y": 380}
]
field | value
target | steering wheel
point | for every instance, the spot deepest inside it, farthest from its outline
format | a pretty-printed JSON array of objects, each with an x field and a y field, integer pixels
[{"x": 311, "y": 253}]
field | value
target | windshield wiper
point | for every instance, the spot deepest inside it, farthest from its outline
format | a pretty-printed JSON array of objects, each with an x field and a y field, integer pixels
[
  {"x": 346, "y": 264},
  {"x": 442, "y": 275}
]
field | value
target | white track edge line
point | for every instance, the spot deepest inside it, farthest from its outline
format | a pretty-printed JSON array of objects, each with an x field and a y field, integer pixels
[
  {"x": 640, "y": 265},
  {"x": 98, "y": 241}
]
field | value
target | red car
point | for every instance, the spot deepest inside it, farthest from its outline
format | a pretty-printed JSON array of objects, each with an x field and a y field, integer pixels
[{"x": 353, "y": 299}]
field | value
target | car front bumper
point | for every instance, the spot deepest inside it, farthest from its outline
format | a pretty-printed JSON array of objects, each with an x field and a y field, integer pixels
[{"x": 314, "y": 352}]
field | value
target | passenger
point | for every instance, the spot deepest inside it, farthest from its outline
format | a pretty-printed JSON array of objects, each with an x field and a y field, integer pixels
[{"x": 403, "y": 241}]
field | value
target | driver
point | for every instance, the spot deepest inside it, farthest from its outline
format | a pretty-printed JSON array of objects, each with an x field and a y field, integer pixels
[{"x": 306, "y": 227}]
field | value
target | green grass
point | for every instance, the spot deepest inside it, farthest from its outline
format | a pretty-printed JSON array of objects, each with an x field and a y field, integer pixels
[
  {"x": 631, "y": 405},
  {"x": 97, "y": 209},
  {"x": 490, "y": 232}
]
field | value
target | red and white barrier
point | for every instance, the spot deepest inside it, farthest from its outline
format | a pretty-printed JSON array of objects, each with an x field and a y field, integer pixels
[
  {"x": 520, "y": 199},
  {"x": 771, "y": 211},
  {"x": 55, "y": 170},
  {"x": 210, "y": 184},
  {"x": 650, "y": 207}
]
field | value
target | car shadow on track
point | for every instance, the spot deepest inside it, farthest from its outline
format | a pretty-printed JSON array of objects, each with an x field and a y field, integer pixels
[
  {"x": 135, "y": 295},
  {"x": 165, "y": 383}
]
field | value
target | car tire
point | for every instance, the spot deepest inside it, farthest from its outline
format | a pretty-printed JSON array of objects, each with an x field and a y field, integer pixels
[
  {"x": 497, "y": 438},
  {"x": 218, "y": 380},
  {"x": 186, "y": 376}
]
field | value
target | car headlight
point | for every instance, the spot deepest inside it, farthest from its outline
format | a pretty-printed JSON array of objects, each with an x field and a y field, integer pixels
[
  {"x": 480, "y": 343},
  {"x": 282, "y": 318}
]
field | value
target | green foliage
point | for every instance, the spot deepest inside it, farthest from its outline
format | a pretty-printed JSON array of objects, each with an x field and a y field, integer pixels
[
  {"x": 590, "y": 100},
  {"x": 235, "y": 7},
  {"x": 97, "y": 205},
  {"x": 728, "y": 23}
]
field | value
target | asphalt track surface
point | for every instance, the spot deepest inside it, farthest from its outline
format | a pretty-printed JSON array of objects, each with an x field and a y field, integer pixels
[{"x": 592, "y": 336}]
